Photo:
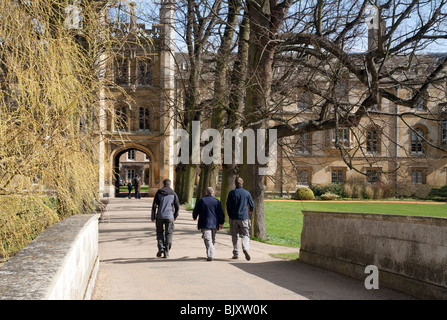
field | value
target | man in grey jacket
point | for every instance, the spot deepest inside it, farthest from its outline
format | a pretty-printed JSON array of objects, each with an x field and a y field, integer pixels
[{"x": 166, "y": 200}]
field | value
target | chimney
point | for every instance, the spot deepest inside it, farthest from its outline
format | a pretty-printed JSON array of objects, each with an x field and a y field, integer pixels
[
  {"x": 133, "y": 19},
  {"x": 375, "y": 28}
]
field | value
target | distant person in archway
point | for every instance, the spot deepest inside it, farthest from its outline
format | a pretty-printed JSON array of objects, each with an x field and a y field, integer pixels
[
  {"x": 137, "y": 187},
  {"x": 167, "y": 203},
  {"x": 239, "y": 204},
  {"x": 129, "y": 187},
  {"x": 211, "y": 218}
]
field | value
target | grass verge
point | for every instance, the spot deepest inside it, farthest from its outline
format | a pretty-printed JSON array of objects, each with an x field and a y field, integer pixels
[{"x": 284, "y": 219}]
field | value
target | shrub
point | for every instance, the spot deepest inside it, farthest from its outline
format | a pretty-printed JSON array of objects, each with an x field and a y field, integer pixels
[
  {"x": 406, "y": 189},
  {"x": 329, "y": 196},
  {"x": 438, "y": 194},
  {"x": 348, "y": 190},
  {"x": 317, "y": 190},
  {"x": 357, "y": 191},
  {"x": 379, "y": 193},
  {"x": 368, "y": 192},
  {"x": 304, "y": 193},
  {"x": 329, "y": 188},
  {"x": 334, "y": 188},
  {"x": 353, "y": 188}
]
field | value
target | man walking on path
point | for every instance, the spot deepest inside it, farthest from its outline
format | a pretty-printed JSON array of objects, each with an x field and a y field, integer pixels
[
  {"x": 167, "y": 202},
  {"x": 211, "y": 217},
  {"x": 239, "y": 204},
  {"x": 137, "y": 188},
  {"x": 129, "y": 188}
]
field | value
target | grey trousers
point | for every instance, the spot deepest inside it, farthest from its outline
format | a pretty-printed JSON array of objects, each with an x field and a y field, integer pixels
[
  {"x": 209, "y": 238},
  {"x": 240, "y": 227},
  {"x": 165, "y": 228}
]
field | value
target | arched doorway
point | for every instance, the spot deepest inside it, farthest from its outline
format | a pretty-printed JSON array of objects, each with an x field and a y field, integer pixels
[{"x": 130, "y": 162}]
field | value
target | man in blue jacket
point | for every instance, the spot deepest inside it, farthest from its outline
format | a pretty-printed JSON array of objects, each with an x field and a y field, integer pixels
[
  {"x": 211, "y": 217},
  {"x": 167, "y": 203},
  {"x": 239, "y": 204}
]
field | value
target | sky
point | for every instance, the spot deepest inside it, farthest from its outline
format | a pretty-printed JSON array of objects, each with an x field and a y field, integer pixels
[{"x": 151, "y": 8}]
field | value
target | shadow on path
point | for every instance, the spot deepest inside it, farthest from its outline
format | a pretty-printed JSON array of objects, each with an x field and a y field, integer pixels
[
  {"x": 129, "y": 268},
  {"x": 315, "y": 283}
]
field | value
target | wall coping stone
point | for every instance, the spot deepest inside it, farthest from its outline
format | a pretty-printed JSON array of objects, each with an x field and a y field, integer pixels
[
  {"x": 438, "y": 221},
  {"x": 32, "y": 273}
]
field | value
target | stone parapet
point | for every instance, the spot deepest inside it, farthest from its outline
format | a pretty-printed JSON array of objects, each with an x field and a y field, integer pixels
[
  {"x": 60, "y": 264},
  {"x": 410, "y": 252}
]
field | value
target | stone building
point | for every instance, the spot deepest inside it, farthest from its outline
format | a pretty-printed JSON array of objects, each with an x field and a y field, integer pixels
[
  {"x": 142, "y": 108},
  {"x": 132, "y": 164},
  {"x": 387, "y": 153}
]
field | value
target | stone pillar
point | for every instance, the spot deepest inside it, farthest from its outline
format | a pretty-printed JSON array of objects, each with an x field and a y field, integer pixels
[
  {"x": 103, "y": 189},
  {"x": 167, "y": 89}
]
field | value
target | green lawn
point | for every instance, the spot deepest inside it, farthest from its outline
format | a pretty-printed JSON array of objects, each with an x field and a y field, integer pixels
[
  {"x": 125, "y": 190},
  {"x": 284, "y": 220}
]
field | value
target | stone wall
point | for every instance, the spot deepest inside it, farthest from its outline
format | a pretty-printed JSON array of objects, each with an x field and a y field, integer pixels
[
  {"x": 61, "y": 263},
  {"x": 410, "y": 252}
]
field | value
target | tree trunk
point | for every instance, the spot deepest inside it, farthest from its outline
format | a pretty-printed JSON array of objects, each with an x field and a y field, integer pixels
[
  {"x": 229, "y": 173},
  {"x": 265, "y": 21},
  {"x": 179, "y": 177},
  {"x": 209, "y": 172},
  {"x": 187, "y": 191},
  {"x": 236, "y": 105}
]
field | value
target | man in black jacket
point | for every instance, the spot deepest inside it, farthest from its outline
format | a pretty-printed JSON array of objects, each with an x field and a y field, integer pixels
[{"x": 166, "y": 200}]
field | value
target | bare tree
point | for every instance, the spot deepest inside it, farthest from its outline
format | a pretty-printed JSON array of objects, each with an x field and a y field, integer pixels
[
  {"x": 336, "y": 63},
  {"x": 197, "y": 28},
  {"x": 219, "y": 101},
  {"x": 316, "y": 44}
]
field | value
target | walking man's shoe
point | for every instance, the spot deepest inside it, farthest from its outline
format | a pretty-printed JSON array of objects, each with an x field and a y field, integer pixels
[
  {"x": 247, "y": 256},
  {"x": 159, "y": 254},
  {"x": 235, "y": 257}
]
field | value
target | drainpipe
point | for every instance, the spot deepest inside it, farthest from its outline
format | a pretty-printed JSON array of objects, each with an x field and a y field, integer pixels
[
  {"x": 282, "y": 162},
  {"x": 396, "y": 136}
]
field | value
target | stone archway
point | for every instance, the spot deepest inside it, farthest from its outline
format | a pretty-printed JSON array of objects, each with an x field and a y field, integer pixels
[{"x": 115, "y": 162}]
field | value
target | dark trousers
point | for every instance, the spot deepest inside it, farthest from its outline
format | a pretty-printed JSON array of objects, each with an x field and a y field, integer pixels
[{"x": 165, "y": 229}]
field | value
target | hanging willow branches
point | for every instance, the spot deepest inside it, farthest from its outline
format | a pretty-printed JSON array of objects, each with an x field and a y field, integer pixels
[{"x": 50, "y": 84}]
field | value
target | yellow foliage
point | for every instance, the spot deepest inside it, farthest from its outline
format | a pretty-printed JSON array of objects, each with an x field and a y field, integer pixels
[{"x": 51, "y": 85}]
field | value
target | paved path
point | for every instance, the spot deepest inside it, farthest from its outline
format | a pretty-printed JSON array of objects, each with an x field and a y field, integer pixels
[{"x": 129, "y": 268}]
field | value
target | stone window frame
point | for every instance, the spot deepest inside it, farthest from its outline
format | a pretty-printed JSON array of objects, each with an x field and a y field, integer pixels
[
  {"x": 340, "y": 175},
  {"x": 303, "y": 145},
  {"x": 373, "y": 179},
  {"x": 418, "y": 175},
  {"x": 299, "y": 176},
  {"x": 144, "y": 116},
  {"x": 122, "y": 110},
  {"x": 376, "y": 141},
  {"x": 418, "y": 134}
]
